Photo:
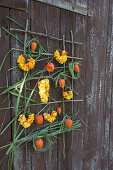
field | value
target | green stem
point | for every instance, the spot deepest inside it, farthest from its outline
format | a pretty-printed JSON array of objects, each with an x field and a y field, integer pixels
[
  {"x": 15, "y": 22},
  {"x": 13, "y": 36}
]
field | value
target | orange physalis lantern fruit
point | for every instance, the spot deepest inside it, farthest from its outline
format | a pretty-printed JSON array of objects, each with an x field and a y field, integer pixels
[
  {"x": 59, "y": 110},
  {"x": 68, "y": 123},
  {"x": 39, "y": 143},
  {"x": 76, "y": 67},
  {"x": 33, "y": 45},
  {"x": 62, "y": 83},
  {"x": 50, "y": 67},
  {"x": 39, "y": 119}
]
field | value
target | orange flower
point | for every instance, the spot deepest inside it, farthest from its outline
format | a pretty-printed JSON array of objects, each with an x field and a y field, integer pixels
[
  {"x": 69, "y": 123},
  {"x": 62, "y": 83},
  {"x": 50, "y": 67},
  {"x": 33, "y": 45},
  {"x": 76, "y": 67}
]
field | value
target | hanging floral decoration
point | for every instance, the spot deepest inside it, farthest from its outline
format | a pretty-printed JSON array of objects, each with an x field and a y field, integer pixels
[
  {"x": 61, "y": 57},
  {"x": 26, "y": 122},
  {"x": 25, "y": 66},
  {"x": 47, "y": 118},
  {"x": 43, "y": 86},
  {"x": 68, "y": 95},
  {"x": 50, "y": 118}
]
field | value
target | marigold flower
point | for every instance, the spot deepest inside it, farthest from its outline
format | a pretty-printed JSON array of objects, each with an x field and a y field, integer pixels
[
  {"x": 60, "y": 58},
  {"x": 43, "y": 86},
  {"x": 26, "y": 122},
  {"x": 68, "y": 95},
  {"x": 50, "y": 118},
  {"x": 26, "y": 125},
  {"x": 25, "y": 66},
  {"x": 54, "y": 113}
]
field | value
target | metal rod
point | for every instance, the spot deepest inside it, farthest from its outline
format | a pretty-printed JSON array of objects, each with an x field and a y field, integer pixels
[{"x": 44, "y": 35}]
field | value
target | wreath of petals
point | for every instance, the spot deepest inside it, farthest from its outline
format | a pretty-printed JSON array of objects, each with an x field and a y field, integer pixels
[
  {"x": 50, "y": 118},
  {"x": 25, "y": 66},
  {"x": 60, "y": 58},
  {"x": 26, "y": 122},
  {"x": 68, "y": 95},
  {"x": 43, "y": 86}
]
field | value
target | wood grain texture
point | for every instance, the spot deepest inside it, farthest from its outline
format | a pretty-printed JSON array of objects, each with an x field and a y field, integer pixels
[
  {"x": 108, "y": 144},
  {"x": 15, "y": 4},
  {"x": 80, "y": 35},
  {"x": 92, "y": 148},
  {"x": 53, "y": 28},
  {"x": 4, "y": 103},
  {"x": 21, "y": 158},
  {"x": 95, "y": 84},
  {"x": 38, "y": 24}
]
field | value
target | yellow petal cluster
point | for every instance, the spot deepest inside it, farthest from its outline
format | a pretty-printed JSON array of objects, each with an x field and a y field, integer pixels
[
  {"x": 60, "y": 58},
  {"x": 26, "y": 122},
  {"x": 68, "y": 95},
  {"x": 43, "y": 86},
  {"x": 50, "y": 118},
  {"x": 25, "y": 66}
]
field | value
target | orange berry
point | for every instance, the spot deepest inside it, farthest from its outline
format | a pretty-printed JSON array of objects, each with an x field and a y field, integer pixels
[
  {"x": 50, "y": 67},
  {"x": 62, "y": 83},
  {"x": 59, "y": 110},
  {"x": 76, "y": 67},
  {"x": 39, "y": 143},
  {"x": 39, "y": 119},
  {"x": 69, "y": 123},
  {"x": 33, "y": 45}
]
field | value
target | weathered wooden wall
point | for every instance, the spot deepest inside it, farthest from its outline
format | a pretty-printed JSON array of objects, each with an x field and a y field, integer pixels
[{"x": 91, "y": 149}]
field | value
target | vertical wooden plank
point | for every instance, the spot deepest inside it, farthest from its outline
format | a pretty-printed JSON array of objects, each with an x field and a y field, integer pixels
[
  {"x": 67, "y": 25},
  {"x": 4, "y": 103},
  {"x": 38, "y": 24},
  {"x": 20, "y": 156},
  {"x": 95, "y": 79},
  {"x": 80, "y": 35},
  {"x": 4, "y": 113},
  {"x": 53, "y": 17},
  {"x": 108, "y": 135}
]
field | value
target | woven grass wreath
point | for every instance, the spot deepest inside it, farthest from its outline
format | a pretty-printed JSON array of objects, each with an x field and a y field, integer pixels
[{"x": 49, "y": 124}]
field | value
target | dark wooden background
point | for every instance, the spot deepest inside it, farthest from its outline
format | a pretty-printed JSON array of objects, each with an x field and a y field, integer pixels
[{"x": 91, "y": 149}]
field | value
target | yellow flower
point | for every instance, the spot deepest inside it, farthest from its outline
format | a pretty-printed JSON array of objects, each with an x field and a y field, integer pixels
[
  {"x": 26, "y": 125},
  {"x": 54, "y": 114},
  {"x": 26, "y": 122},
  {"x": 25, "y": 66},
  {"x": 43, "y": 86},
  {"x": 60, "y": 58},
  {"x": 50, "y": 118},
  {"x": 46, "y": 116},
  {"x": 68, "y": 94}
]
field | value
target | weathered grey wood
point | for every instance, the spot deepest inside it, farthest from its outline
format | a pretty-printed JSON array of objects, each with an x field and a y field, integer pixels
[
  {"x": 14, "y": 4},
  {"x": 92, "y": 148},
  {"x": 108, "y": 125},
  {"x": 95, "y": 85},
  {"x": 4, "y": 102},
  {"x": 38, "y": 24},
  {"x": 21, "y": 157},
  {"x": 67, "y": 5},
  {"x": 53, "y": 29},
  {"x": 79, "y": 107}
]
